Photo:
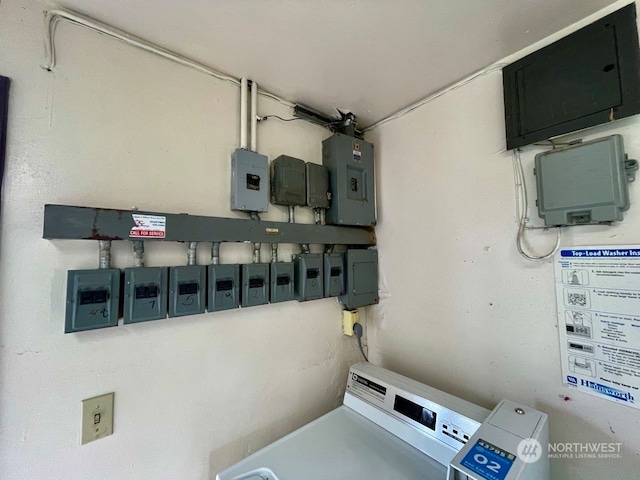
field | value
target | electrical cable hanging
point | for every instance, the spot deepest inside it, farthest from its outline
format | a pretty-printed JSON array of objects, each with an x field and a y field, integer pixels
[{"x": 522, "y": 209}]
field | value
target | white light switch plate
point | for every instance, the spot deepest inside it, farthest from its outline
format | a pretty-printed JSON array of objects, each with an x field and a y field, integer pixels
[{"x": 97, "y": 417}]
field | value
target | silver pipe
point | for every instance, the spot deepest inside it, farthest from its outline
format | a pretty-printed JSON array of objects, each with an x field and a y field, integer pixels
[
  {"x": 254, "y": 116},
  {"x": 105, "y": 253},
  {"x": 274, "y": 253},
  {"x": 191, "y": 253},
  {"x": 215, "y": 253},
  {"x": 323, "y": 216},
  {"x": 138, "y": 253},
  {"x": 305, "y": 248},
  {"x": 316, "y": 216},
  {"x": 243, "y": 113},
  {"x": 256, "y": 252},
  {"x": 292, "y": 217}
]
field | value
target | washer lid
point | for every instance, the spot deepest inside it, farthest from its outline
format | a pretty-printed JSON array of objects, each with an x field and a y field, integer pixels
[{"x": 341, "y": 445}]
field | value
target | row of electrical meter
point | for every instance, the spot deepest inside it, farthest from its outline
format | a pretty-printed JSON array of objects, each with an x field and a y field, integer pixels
[{"x": 153, "y": 293}]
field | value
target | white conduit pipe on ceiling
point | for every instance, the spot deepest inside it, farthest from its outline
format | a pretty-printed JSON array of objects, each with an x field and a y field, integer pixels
[{"x": 52, "y": 18}]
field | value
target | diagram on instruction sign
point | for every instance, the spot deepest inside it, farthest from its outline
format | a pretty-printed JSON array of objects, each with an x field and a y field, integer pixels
[{"x": 598, "y": 299}]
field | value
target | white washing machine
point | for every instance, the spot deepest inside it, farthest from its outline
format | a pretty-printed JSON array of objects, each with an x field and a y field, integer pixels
[{"x": 389, "y": 427}]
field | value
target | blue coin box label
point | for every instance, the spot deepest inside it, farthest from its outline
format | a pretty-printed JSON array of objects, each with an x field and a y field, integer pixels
[{"x": 489, "y": 461}]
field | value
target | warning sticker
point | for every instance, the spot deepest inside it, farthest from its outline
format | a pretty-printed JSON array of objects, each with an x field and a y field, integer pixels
[{"x": 148, "y": 226}]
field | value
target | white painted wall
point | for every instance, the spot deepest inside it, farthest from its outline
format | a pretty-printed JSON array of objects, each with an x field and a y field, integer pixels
[
  {"x": 460, "y": 309},
  {"x": 116, "y": 127}
]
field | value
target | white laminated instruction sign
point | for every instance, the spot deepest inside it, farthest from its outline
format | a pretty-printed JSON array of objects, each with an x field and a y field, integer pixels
[{"x": 598, "y": 295}]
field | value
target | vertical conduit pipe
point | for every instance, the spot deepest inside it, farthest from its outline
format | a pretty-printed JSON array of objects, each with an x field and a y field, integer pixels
[
  {"x": 292, "y": 218},
  {"x": 215, "y": 253},
  {"x": 254, "y": 116},
  {"x": 274, "y": 253},
  {"x": 138, "y": 253},
  {"x": 243, "y": 113},
  {"x": 256, "y": 252},
  {"x": 191, "y": 253},
  {"x": 105, "y": 253}
]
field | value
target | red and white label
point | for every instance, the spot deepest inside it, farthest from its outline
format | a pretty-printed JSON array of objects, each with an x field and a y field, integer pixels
[{"x": 148, "y": 226}]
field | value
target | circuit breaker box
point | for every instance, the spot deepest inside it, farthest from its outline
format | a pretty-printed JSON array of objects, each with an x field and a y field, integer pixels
[
  {"x": 333, "y": 274},
  {"x": 145, "y": 294},
  {"x": 318, "y": 191},
  {"x": 224, "y": 287},
  {"x": 93, "y": 299},
  {"x": 249, "y": 181},
  {"x": 362, "y": 279},
  {"x": 352, "y": 180},
  {"x": 281, "y": 282},
  {"x": 187, "y": 290},
  {"x": 255, "y": 284},
  {"x": 288, "y": 186},
  {"x": 584, "y": 183},
  {"x": 309, "y": 273}
]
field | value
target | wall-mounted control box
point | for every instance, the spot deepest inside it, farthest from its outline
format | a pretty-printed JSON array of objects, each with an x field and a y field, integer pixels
[
  {"x": 584, "y": 183},
  {"x": 288, "y": 185},
  {"x": 362, "y": 279},
  {"x": 352, "y": 179},
  {"x": 333, "y": 274},
  {"x": 309, "y": 270},
  {"x": 249, "y": 181},
  {"x": 282, "y": 287},
  {"x": 224, "y": 287},
  {"x": 255, "y": 284},
  {"x": 145, "y": 294},
  {"x": 93, "y": 299},
  {"x": 187, "y": 290},
  {"x": 318, "y": 191}
]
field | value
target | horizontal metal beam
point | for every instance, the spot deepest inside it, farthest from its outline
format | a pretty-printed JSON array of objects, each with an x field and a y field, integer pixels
[{"x": 86, "y": 223}]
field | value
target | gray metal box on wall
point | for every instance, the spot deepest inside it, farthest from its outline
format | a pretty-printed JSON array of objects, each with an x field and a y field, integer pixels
[
  {"x": 187, "y": 290},
  {"x": 584, "y": 183},
  {"x": 224, "y": 287},
  {"x": 288, "y": 185},
  {"x": 93, "y": 299},
  {"x": 318, "y": 191},
  {"x": 333, "y": 274},
  {"x": 255, "y": 284},
  {"x": 352, "y": 180},
  {"x": 362, "y": 279},
  {"x": 249, "y": 181},
  {"x": 281, "y": 282},
  {"x": 145, "y": 294},
  {"x": 308, "y": 276}
]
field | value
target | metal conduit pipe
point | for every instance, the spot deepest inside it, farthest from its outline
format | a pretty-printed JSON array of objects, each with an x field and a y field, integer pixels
[
  {"x": 138, "y": 253},
  {"x": 244, "y": 86},
  {"x": 292, "y": 218},
  {"x": 254, "y": 116},
  {"x": 274, "y": 253},
  {"x": 305, "y": 248},
  {"x": 316, "y": 216},
  {"x": 105, "y": 253},
  {"x": 191, "y": 253},
  {"x": 215, "y": 253},
  {"x": 256, "y": 252}
]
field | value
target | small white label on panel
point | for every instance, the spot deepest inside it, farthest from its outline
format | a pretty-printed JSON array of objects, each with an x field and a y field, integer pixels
[{"x": 148, "y": 226}]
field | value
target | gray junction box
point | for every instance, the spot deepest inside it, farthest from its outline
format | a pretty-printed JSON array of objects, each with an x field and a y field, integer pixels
[
  {"x": 362, "y": 279},
  {"x": 288, "y": 186},
  {"x": 309, "y": 271},
  {"x": 255, "y": 284},
  {"x": 145, "y": 294},
  {"x": 249, "y": 181},
  {"x": 584, "y": 183},
  {"x": 352, "y": 180},
  {"x": 333, "y": 274},
  {"x": 281, "y": 282},
  {"x": 318, "y": 191},
  {"x": 187, "y": 292},
  {"x": 224, "y": 287},
  {"x": 93, "y": 299}
]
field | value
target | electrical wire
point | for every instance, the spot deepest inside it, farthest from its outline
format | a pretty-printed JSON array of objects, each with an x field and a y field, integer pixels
[
  {"x": 357, "y": 329},
  {"x": 522, "y": 210},
  {"x": 267, "y": 117}
]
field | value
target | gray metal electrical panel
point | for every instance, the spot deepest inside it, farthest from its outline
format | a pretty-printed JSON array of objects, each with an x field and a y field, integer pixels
[
  {"x": 249, "y": 181},
  {"x": 333, "y": 274},
  {"x": 145, "y": 294},
  {"x": 255, "y": 284},
  {"x": 584, "y": 183},
  {"x": 281, "y": 282},
  {"x": 288, "y": 186},
  {"x": 318, "y": 192},
  {"x": 224, "y": 287},
  {"x": 362, "y": 279},
  {"x": 352, "y": 180},
  {"x": 93, "y": 299},
  {"x": 187, "y": 290},
  {"x": 309, "y": 270}
]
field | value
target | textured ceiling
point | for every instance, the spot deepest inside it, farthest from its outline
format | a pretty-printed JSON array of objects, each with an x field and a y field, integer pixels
[{"x": 372, "y": 57}]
